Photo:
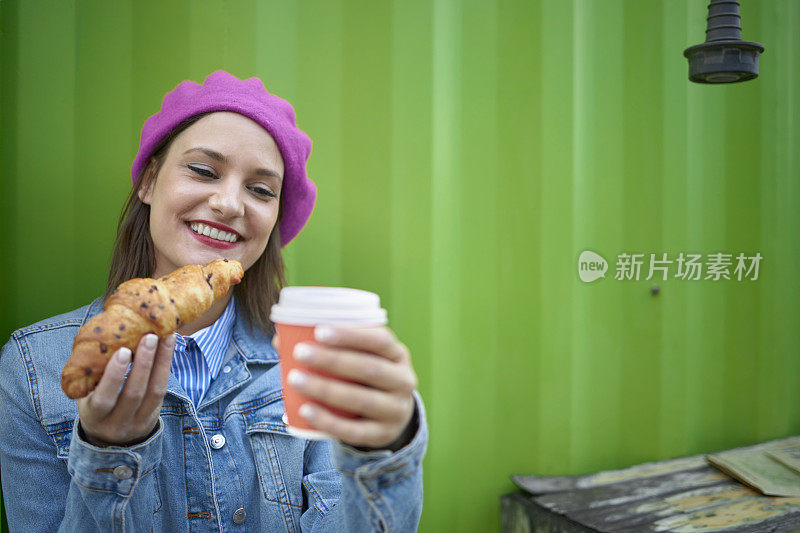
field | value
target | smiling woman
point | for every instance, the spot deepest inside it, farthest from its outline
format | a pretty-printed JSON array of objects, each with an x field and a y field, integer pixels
[
  {"x": 193, "y": 167},
  {"x": 196, "y": 419},
  {"x": 227, "y": 192}
]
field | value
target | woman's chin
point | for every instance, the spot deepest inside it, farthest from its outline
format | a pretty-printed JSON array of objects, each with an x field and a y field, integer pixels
[{"x": 206, "y": 256}]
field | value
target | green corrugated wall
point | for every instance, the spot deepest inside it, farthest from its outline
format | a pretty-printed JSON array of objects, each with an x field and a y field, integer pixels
[{"x": 466, "y": 153}]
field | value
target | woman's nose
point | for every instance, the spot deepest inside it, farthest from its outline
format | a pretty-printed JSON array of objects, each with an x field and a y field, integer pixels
[{"x": 226, "y": 201}]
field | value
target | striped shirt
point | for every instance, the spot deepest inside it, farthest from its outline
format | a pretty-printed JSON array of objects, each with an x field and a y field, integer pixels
[{"x": 198, "y": 357}]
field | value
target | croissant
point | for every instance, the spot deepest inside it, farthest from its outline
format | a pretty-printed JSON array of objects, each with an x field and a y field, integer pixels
[{"x": 140, "y": 306}]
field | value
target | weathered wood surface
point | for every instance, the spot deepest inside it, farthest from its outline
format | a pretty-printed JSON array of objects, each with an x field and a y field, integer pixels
[{"x": 683, "y": 495}]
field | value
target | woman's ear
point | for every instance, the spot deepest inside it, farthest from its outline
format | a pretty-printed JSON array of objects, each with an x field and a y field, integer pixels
[
  {"x": 145, "y": 192},
  {"x": 144, "y": 195}
]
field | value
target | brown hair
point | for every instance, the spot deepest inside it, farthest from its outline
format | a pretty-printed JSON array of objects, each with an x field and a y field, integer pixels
[{"x": 134, "y": 257}]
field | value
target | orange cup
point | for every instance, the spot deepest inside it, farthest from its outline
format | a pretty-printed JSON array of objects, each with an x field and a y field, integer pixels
[{"x": 298, "y": 311}]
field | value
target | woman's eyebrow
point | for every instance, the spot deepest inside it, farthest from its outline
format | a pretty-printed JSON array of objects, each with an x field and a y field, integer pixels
[{"x": 221, "y": 158}]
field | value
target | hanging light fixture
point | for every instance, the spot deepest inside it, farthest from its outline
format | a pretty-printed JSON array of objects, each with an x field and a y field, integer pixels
[{"x": 724, "y": 57}]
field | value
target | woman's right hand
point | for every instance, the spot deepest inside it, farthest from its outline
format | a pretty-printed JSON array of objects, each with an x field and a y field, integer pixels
[{"x": 113, "y": 417}]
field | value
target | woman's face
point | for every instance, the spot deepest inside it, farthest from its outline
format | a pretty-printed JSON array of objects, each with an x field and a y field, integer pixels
[{"x": 224, "y": 169}]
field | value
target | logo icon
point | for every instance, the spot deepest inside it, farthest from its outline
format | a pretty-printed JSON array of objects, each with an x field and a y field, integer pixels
[{"x": 591, "y": 266}]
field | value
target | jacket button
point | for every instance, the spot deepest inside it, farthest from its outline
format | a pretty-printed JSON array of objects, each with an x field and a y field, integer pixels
[
  {"x": 239, "y": 515},
  {"x": 123, "y": 472},
  {"x": 217, "y": 441}
]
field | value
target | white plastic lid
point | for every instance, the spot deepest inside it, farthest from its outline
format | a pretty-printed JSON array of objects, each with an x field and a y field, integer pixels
[{"x": 309, "y": 306}]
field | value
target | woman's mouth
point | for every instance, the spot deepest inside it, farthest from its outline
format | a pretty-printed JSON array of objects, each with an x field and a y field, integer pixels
[{"x": 212, "y": 236}]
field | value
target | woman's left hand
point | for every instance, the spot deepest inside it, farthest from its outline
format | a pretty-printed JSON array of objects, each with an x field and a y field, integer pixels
[{"x": 381, "y": 365}]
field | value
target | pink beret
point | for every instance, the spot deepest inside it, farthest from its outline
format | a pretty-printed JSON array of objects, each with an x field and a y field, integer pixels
[{"x": 222, "y": 91}]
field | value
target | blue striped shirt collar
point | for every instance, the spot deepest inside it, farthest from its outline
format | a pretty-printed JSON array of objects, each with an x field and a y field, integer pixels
[{"x": 214, "y": 339}]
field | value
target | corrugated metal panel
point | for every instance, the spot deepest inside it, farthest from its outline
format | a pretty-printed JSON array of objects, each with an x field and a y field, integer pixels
[{"x": 466, "y": 152}]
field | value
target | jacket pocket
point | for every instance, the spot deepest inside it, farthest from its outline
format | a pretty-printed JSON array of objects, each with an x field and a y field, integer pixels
[{"x": 278, "y": 456}]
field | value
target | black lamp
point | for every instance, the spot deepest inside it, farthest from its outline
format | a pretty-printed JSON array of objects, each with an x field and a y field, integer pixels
[{"x": 724, "y": 57}]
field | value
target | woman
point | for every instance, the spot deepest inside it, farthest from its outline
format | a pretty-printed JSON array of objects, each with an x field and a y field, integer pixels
[{"x": 192, "y": 436}]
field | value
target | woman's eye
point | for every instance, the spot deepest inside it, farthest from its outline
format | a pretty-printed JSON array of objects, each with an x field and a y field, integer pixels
[
  {"x": 264, "y": 192},
  {"x": 261, "y": 191},
  {"x": 201, "y": 171}
]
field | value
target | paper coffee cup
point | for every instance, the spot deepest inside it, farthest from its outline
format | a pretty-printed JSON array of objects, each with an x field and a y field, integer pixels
[{"x": 298, "y": 311}]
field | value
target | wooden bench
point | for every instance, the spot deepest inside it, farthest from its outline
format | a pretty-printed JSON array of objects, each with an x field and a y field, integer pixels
[{"x": 678, "y": 495}]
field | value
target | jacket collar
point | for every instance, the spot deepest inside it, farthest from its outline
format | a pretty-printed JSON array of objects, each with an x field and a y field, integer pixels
[{"x": 254, "y": 345}]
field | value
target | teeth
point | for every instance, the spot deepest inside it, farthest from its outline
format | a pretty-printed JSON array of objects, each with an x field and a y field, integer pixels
[{"x": 214, "y": 233}]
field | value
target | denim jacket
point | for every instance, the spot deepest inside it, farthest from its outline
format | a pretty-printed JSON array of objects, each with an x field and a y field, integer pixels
[{"x": 228, "y": 465}]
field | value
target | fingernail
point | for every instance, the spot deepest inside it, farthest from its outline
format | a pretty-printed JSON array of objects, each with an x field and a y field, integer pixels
[
  {"x": 170, "y": 341},
  {"x": 124, "y": 356},
  {"x": 324, "y": 333},
  {"x": 303, "y": 352},
  {"x": 306, "y": 411},
  {"x": 150, "y": 340},
  {"x": 297, "y": 378}
]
